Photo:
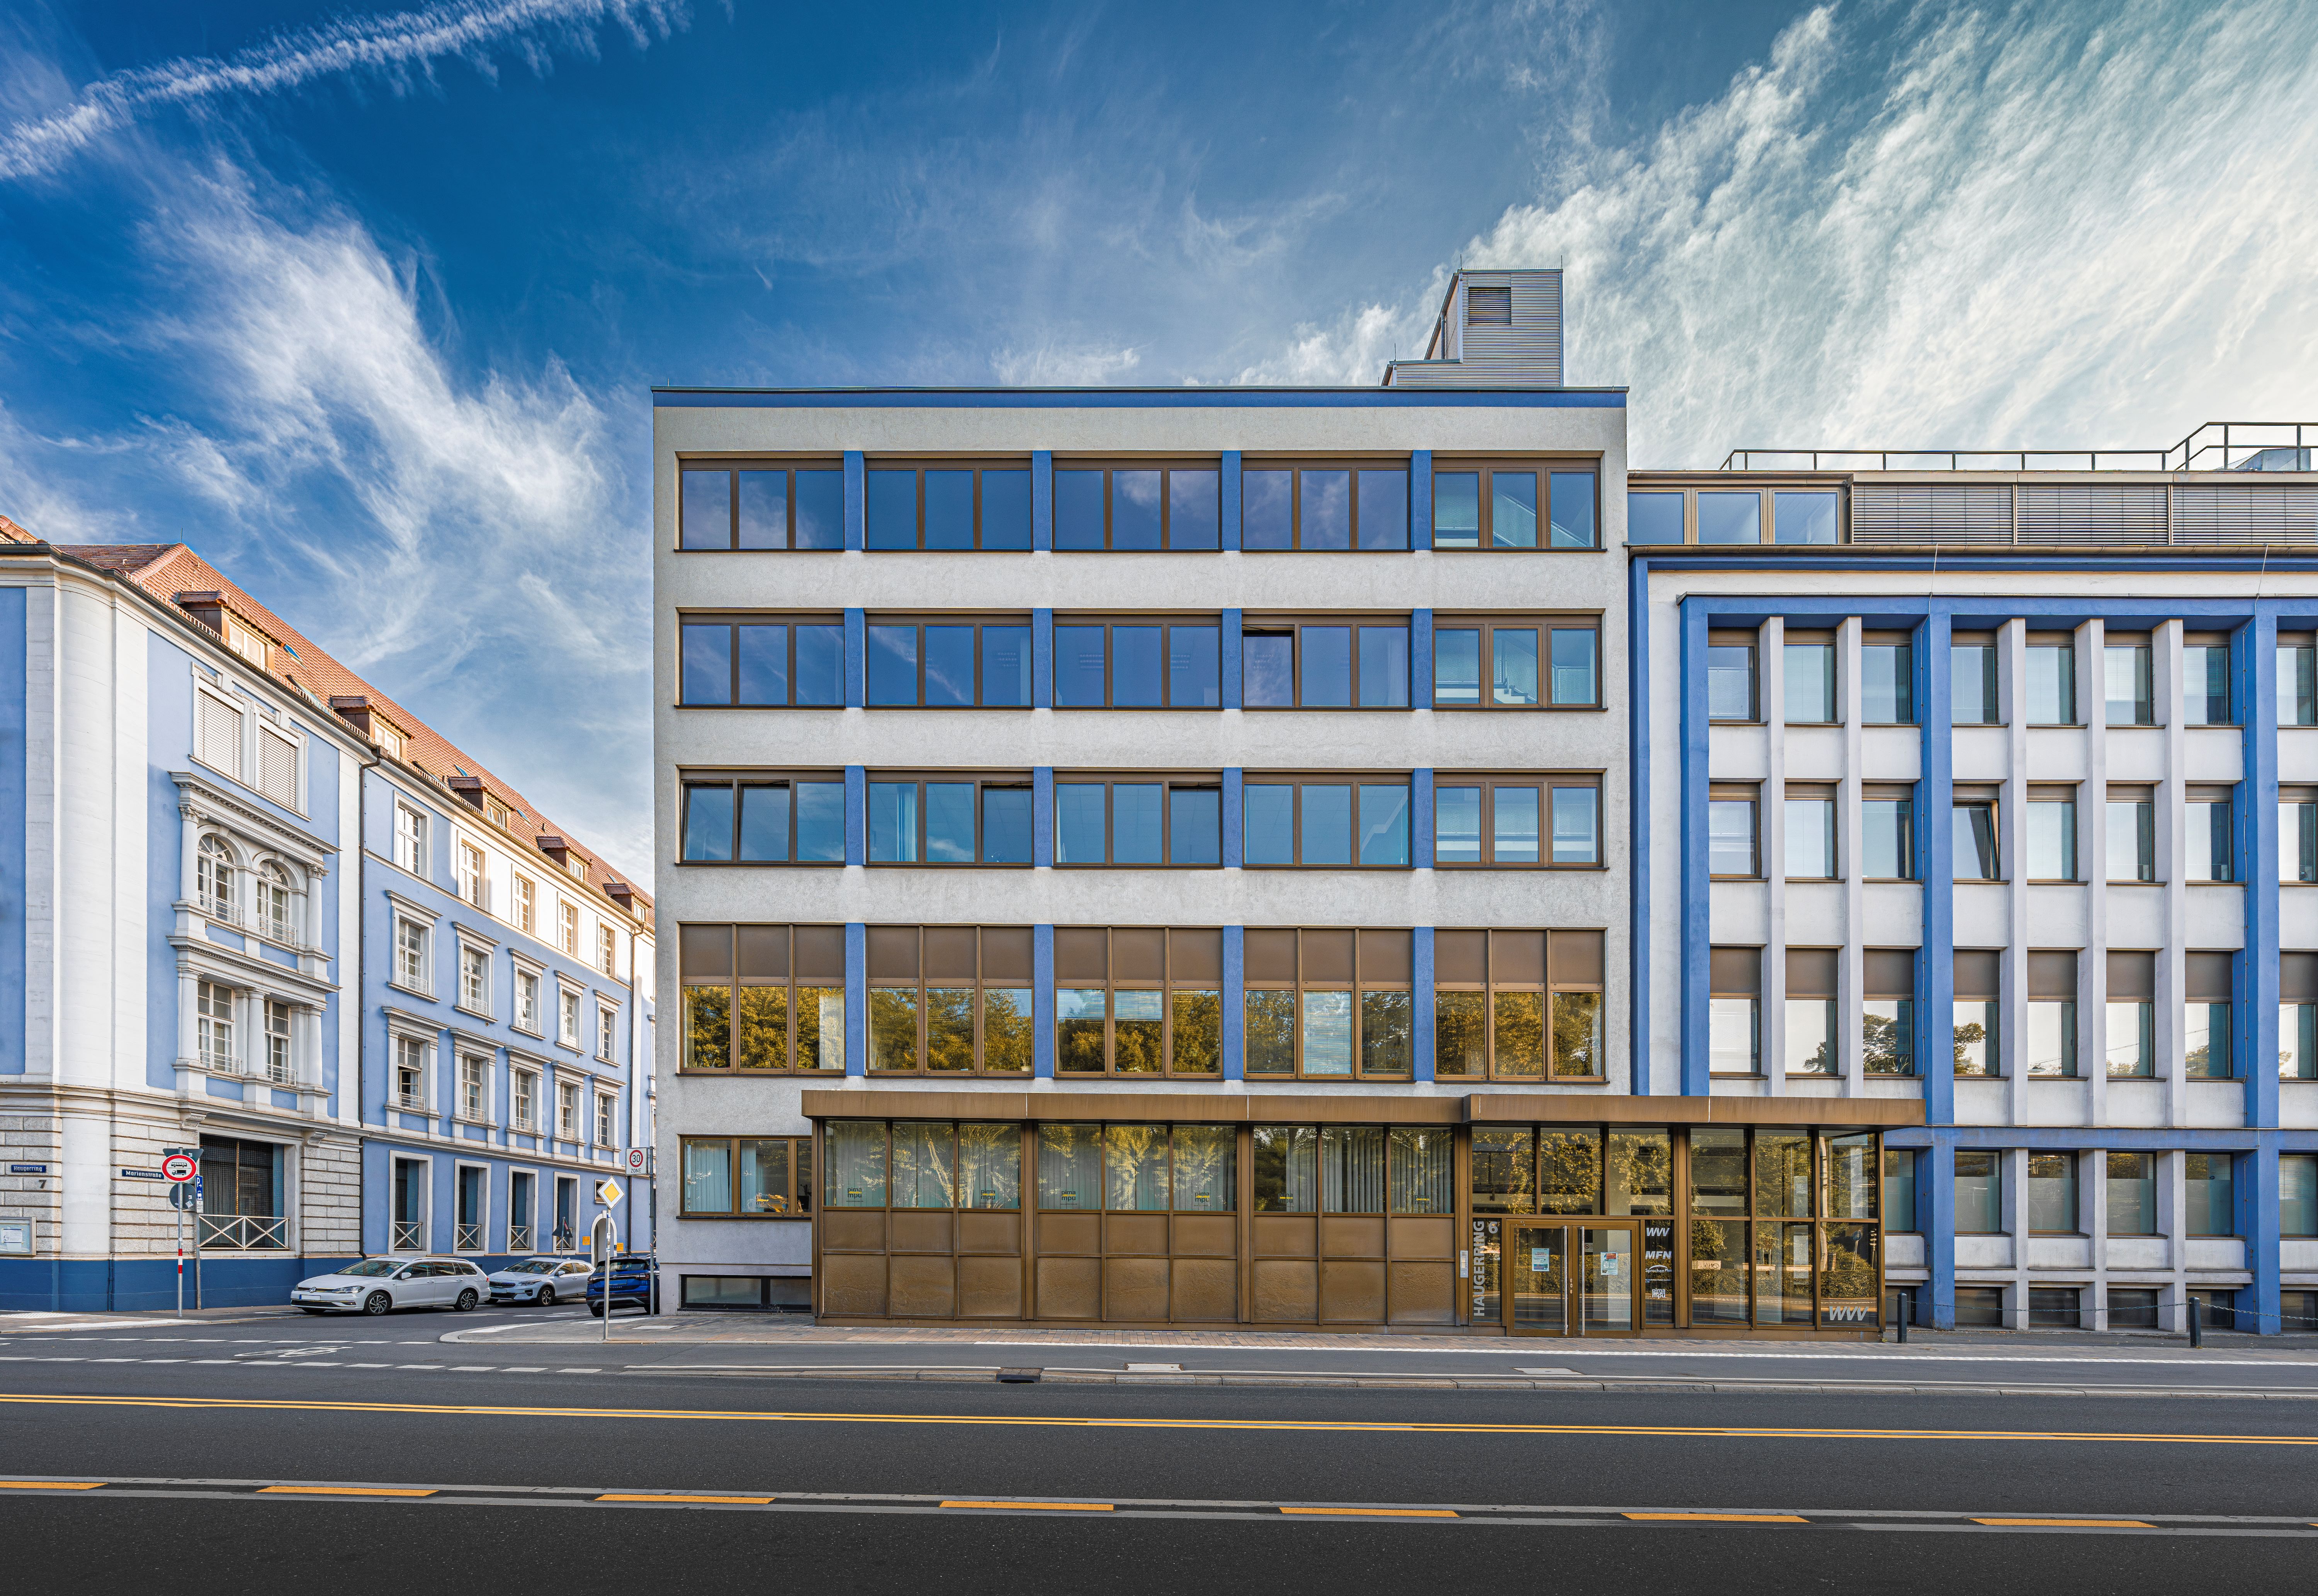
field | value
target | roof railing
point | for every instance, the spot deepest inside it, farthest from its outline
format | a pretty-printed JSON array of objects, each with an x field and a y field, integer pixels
[{"x": 2217, "y": 446}]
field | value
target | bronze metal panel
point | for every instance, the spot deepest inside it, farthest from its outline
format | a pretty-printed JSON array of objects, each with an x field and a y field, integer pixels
[
  {"x": 705, "y": 953},
  {"x": 764, "y": 953},
  {"x": 990, "y": 1233},
  {"x": 1425, "y": 1237},
  {"x": 852, "y": 1230},
  {"x": 1270, "y": 954},
  {"x": 1515, "y": 1107},
  {"x": 1351, "y": 1291},
  {"x": 892, "y": 953},
  {"x": 950, "y": 953},
  {"x": 1205, "y": 1235},
  {"x": 920, "y": 1231},
  {"x": 1196, "y": 956},
  {"x": 1423, "y": 1293},
  {"x": 1350, "y": 1235},
  {"x": 1385, "y": 955},
  {"x": 1287, "y": 1290},
  {"x": 1364, "y": 1108},
  {"x": 924, "y": 1288},
  {"x": 1328, "y": 956},
  {"x": 1070, "y": 1232},
  {"x": 819, "y": 953},
  {"x": 1205, "y": 1289},
  {"x": 1139, "y": 953},
  {"x": 1081, "y": 953},
  {"x": 1134, "y": 1233},
  {"x": 1460, "y": 957},
  {"x": 1070, "y": 1288},
  {"x": 1517, "y": 958},
  {"x": 853, "y": 1285},
  {"x": 989, "y": 1289},
  {"x": 1135, "y": 1288},
  {"x": 1188, "y": 1108},
  {"x": 1286, "y": 1235},
  {"x": 1575, "y": 957},
  {"x": 1006, "y": 953}
]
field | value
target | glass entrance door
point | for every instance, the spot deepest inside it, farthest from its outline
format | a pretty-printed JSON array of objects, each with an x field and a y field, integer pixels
[{"x": 1576, "y": 1278}]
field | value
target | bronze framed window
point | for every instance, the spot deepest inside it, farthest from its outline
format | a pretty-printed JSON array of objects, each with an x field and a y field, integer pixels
[
  {"x": 1138, "y": 506},
  {"x": 1138, "y": 820},
  {"x": 1138, "y": 662},
  {"x": 761, "y": 662},
  {"x": 1521, "y": 663},
  {"x": 1514, "y": 822},
  {"x": 947, "y": 662},
  {"x": 1336, "y": 662},
  {"x": 760, "y": 505},
  {"x": 1327, "y": 1004},
  {"x": 1138, "y": 1001},
  {"x": 950, "y": 999},
  {"x": 1517, "y": 1005},
  {"x": 946, "y": 505},
  {"x": 949, "y": 818},
  {"x": 762, "y": 1000},
  {"x": 1516, "y": 504},
  {"x": 1138, "y": 1169},
  {"x": 922, "y": 1163},
  {"x": 748, "y": 1176},
  {"x": 1337, "y": 506},
  {"x": 1354, "y": 1169},
  {"x": 1345, "y": 820},
  {"x": 764, "y": 818}
]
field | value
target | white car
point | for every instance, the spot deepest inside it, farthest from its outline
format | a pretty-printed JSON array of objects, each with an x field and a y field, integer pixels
[
  {"x": 379, "y": 1285},
  {"x": 543, "y": 1281}
]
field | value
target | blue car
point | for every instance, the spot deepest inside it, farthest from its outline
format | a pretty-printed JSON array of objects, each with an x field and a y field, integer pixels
[{"x": 635, "y": 1280}]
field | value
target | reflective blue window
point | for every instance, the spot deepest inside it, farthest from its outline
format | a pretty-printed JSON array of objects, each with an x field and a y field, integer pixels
[
  {"x": 1136, "y": 514},
  {"x": 1078, "y": 509},
  {"x": 764, "y": 823},
  {"x": 1269, "y": 836},
  {"x": 1079, "y": 823},
  {"x": 1572, "y": 510},
  {"x": 707, "y": 824},
  {"x": 892, "y": 664},
  {"x": 1577, "y": 826},
  {"x": 820, "y": 822},
  {"x": 1803, "y": 518},
  {"x": 1006, "y": 667},
  {"x": 1195, "y": 826},
  {"x": 1267, "y": 664},
  {"x": 1456, "y": 509},
  {"x": 950, "y": 509},
  {"x": 1193, "y": 666},
  {"x": 949, "y": 667},
  {"x": 704, "y": 509},
  {"x": 1137, "y": 829},
  {"x": 1456, "y": 668},
  {"x": 1006, "y": 825},
  {"x": 761, "y": 673},
  {"x": 1512, "y": 666},
  {"x": 1326, "y": 831},
  {"x": 1383, "y": 509},
  {"x": 949, "y": 823},
  {"x": 1513, "y": 509},
  {"x": 1267, "y": 510},
  {"x": 1455, "y": 825},
  {"x": 763, "y": 516},
  {"x": 1151, "y": 665},
  {"x": 1725, "y": 517},
  {"x": 893, "y": 822},
  {"x": 1384, "y": 824},
  {"x": 1194, "y": 513},
  {"x": 1573, "y": 665},
  {"x": 1384, "y": 668},
  {"x": 892, "y": 507},
  {"x": 1078, "y": 668},
  {"x": 1006, "y": 509},
  {"x": 707, "y": 670},
  {"x": 818, "y": 497},
  {"x": 821, "y": 666},
  {"x": 1324, "y": 518},
  {"x": 1327, "y": 667},
  {"x": 1654, "y": 519},
  {"x": 1136, "y": 681}
]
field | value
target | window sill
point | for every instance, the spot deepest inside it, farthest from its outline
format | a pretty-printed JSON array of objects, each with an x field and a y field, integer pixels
[
  {"x": 768, "y": 1218},
  {"x": 410, "y": 990},
  {"x": 1463, "y": 865},
  {"x": 1518, "y": 709},
  {"x": 761, "y": 863},
  {"x": 482, "y": 1014}
]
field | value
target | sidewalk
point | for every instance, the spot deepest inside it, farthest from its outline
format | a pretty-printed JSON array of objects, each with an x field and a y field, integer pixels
[{"x": 126, "y": 1318}]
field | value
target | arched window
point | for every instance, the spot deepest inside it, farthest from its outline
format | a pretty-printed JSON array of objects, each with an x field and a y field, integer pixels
[
  {"x": 274, "y": 904},
  {"x": 213, "y": 878}
]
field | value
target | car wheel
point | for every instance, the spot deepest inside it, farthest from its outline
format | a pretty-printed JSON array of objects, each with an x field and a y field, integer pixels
[
  {"x": 466, "y": 1300},
  {"x": 377, "y": 1302},
  {"x": 546, "y": 1297},
  {"x": 595, "y": 1310}
]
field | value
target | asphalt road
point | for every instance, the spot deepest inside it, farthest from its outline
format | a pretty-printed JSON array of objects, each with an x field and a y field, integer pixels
[{"x": 256, "y": 1461}]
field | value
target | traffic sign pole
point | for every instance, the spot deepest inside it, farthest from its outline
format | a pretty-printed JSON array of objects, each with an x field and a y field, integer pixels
[{"x": 180, "y": 1167}]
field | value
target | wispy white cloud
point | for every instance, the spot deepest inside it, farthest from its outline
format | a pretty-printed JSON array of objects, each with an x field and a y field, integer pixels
[
  {"x": 1063, "y": 367},
  {"x": 397, "y": 49}
]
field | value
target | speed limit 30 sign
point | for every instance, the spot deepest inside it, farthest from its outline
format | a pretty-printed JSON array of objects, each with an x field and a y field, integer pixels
[{"x": 180, "y": 1169}]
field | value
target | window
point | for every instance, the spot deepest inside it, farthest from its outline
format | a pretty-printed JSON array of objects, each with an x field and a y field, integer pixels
[
  {"x": 274, "y": 917},
  {"x": 1978, "y": 1193},
  {"x": 948, "y": 664},
  {"x": 2205, "y": 1016},
  {"x": 525, "y": 897},
  {"x": 935, "y": 1164},
  {"x": 1810, "y": 834},
  {"x": 607, "y": 949},
  {"x": 2205, "y": 681},
  {"x": 1327, "y": 1004},
  {"x": 1886, "y": 682},
  {"x": 1516, "y": 1005},
  {"x": 1139, "y": 820},
  {"x": 1734, "y": 1029},
  {"x": 277, "y": 767},
  {"x": 411, "y": 955},
  {"x": 1496, "y": 507},
  {"x": 1725, "y": 516},
  {"x": 2132, "y": 834},
  {"x": 1654, "y": 518},
  {"x": 607, "y": 1034},
  {"x": 1138, "y": 1001},
  {"x": 1344, "y": 824},
  {"x": 567, "y": 1110},
  {"x": 2052, "y": 682},
  {"x": 1972, "y": 681},
  {"x": 1502, "y": 822},
  {"x": 2297, "y": 682},
  {"x": 766, "y": 998},
  {"x": 566, "y": 1016},
  {"x": 1142, "y": 663},
  {"x": 526, "y": 1001},
  {"x": 410, "y": 839},
  {"x": 1808, "y": 668},
  {"x": 1804, "y": 518},
  {"x": 213, "y": 879},
  {"x": 475, "y": 978},
  {"x": 2051, "y": 1038},
  {"x": 1730, "y": 831},
  {"x": 2126, "y": 684},
  {"x": 568, "y": 917},
  {"x": 2297, "y": 836},
  {"x": 1325, "y": 507},
  {"x": 2205, "y": 835},
  {"x": 2208, "y": 1194},
  {"x": 1779, "y": 1250},
  {"x": 1977, "y": 976},
  {"x": 2052, "y": 834},
  {"x": 763, "y": 663},
  {"x": 764, "y": 822},
  {"x": 928, "y": 820},
  {"x": 409, "y": 1072},
  {"x": 1143, "y": 506},
  {"x": 1288, "y": 665},
  {"x": 1887, "y": 1011},
  {"x": 1353, "y": 1169},
  {"x": 2298, "y": 1017},
  {"x": 1510, "y": 650},
  {"x": 2131, "y": 1193},
  {"x": 217, "y": 732},
  {"x": 1973, "y": 844},
  {"x": 1899, "y": 1189},
  {"x": 1811, "y": 1047},
  {"x": 1887, "y": 833},
  {"x": 1730, "y": 676},
  {"x": 2297, "y": 1195},
  {"x": 1488, "y": 306},
  {"x": 473, "y": 1099},
  {"x": 762, "y": 507},
  {"x": 213, "y": 1024},
  {"x": 2053, "y": 1194},
  {"x": 2129, "y": 1027},
  {"x": 748, "y": 1176},
  {"x": 280, "y": 1066},
  {"x": 948, "y": 505},
  {"x": 603, "y": 1123},
  {"x": 527, "y": 1099}
]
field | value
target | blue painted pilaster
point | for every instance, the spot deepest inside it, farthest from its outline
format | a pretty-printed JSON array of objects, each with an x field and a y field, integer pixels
[
  {"x": 856, "y": 499},
  {"x": 1697, "y": 923},
  {"x": 1935, "y": 971},
  {"x": 2254, "y": 815},
  {"x": 1042, "y": 1003},
  {"x": 1042, "y": 659},
  {"x": 857, "y": 815},
  {"x": 1234, "y": 1003},
  {"x": 1420, "y": 980},
  {"x": 857, "y": 659},
  {"x": 1420, "y": 500},
  {"x": 2254, "y": 1184},
  {"x": 1042, "y": 500},
  {"x": 856, "y": 998},
  {"x": 1042, "y": 817},
  {"x": 1231, "y": 499},
  {"x": 1235, "y": 844},
  {"x": 1938, "y": 1162},
  {"x": 1420, "y": 819},
  {"x": 1227, "y": 661},
  {"x": 1420, "y": 661}
]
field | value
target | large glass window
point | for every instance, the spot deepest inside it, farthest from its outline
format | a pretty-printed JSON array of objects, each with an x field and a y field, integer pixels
[
  {"x": 1887, "y": 690},
  {"x": 792, "y": 819},
  {"x": 763, "y": 999},
  {"x": 1353, "y": 1170},
  {"x": 2208, "y": 1194},
  {"x": 1972, "y": 681},
  {"x": 1328, "y": 1004},
  {"x": 2126, "y": 684},
  {"x": 948, "y": 664},
  {"x": 1138, "y": 821},
  {"x": 1143, "y": 506},
  {"x": 1517, "y": 1005},
  {"x": 1807, "y": 671},
  {"x": 2205, "y": 842},
  {"x": 2297, "y": 1194},
  {"x": 762, "y": 664},
  {"x": 2131, "y": 1193},
  {"x": 1350, "y": 823},
  {"x": 1139, "y": 664},
  {"x": 762, "y": 506},
  {"x": 1734, "y": 1011},
  {"x": 2053, "y": 1193},
  {"x": 1810, "y": 834},
  {"x": 2052, "y": 682},
  {"x": 1138, "y": 1168},
  {"x": 2052, "y": 834},
  {"x": 949, "y": 819},
  {"x": 2206, "y": 682},
  {"x": 1729, "y": 517},
  {"x": 2297, "y": 837},
  {"x": 1887, "y": 1011},
  {"x": 2052, "y": 1032},
  {"x": 929, "y": 1164},
  {"x": 1973, "y": 848},
  {"x": 2131, "y": 1048},
  {"x": 1527, "y": 665},
  {"x": 1899, "y": 1189},
  {"x": 1730, "y": 832},
  {"x": 748, "y": 1176},
  {"x": 1497, "y": 507},
  {"x": 1731, "y": 681},
  {"x": 1978, "y": 1193},
  {"x": 1654, "y": 518},
  {"x": 2206, "y": 1036},
  {"x": 1887, "y": 834},
  {"x": 1804, "y": 518},
  {"x": 947, "y": 505},
  {"x": 1333, "y": 507},
  {"x": 950, "y": 999},
  {"x": 2132, "y": 834},
  {"x": 1138, "y": 1000},
  {"x": 2298, "y": 683},
  {"x": 1503, "y": 821},
  {"x": 1324, "y": 665}
]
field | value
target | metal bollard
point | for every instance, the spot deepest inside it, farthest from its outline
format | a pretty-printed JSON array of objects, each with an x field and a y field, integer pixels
[{"x": 2196, "y": 1323}]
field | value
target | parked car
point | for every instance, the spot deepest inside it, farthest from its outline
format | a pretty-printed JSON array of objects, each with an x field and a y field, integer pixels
[
  {"x": 635, "y": 1280},
  {"x": 379, "y": 1285},
  {"x": 541, "y": 1280}
]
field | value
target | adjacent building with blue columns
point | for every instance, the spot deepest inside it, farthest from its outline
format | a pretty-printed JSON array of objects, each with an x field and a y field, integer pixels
[{"x": 217, "y": 938}]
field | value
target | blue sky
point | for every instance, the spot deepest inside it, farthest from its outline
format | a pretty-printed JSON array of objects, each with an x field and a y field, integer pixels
[{"x": 363, "y": 304}]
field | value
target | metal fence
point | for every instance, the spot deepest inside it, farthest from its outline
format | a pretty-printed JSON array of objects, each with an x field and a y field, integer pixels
[
  {"x": 243, "y": 1231},
  {"x": 404, "y": 1236},
  {"x": 2215, "y": 446}
]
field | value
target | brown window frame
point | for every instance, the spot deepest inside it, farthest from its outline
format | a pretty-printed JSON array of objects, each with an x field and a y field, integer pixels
[
  {"x": 1371, "y": 973},
  {"x": 1498, "y": 951},
  {"x": 1546, "y": 784},
  {"x": 882, "y": 944},
  {"x": 920, "y": 464},
  {"x": 732, "y": 622},
  {"x": 1166, "y": 468},
  {"x": 982, "y": 781},
  {"x": 834, "y": 465},
  {"x": 975, "y": 623},
  {"x": 1749, "y": 792},
  {"x": 1110, "y": 621},
  {"x": 1168, "y": 782},
  {"x": 1544, "y": 625},
  {"x": 689, "y": 780},
  {"x": 797, "y": 1200},
  {"x": 1394, "y": 1136},
  {"x": 1296, "y": 465},
  {"x": 697, "y": 971},
  {"x": 1485, "y": 468},
  {"x": 1296, "y": 781},
  {"x": 1025, "y": 1165},
  {"x": 1179, "y": 965},
  {"x": 1353, "y": 621}
]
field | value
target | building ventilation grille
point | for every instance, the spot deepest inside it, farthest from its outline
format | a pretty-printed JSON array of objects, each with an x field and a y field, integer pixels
[
  {"x": 1911, "y": 513},
  {"x": 2094, "y": 514},
  {"x": 2235, "y": 515}
]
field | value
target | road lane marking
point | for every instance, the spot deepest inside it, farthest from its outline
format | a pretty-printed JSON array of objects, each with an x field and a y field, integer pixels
[
  {"x": 642, "y": 1496},
  {"x": 1059, "y": 1506},
  {"x": 2066, "y": 1523},
  {"x": 51, "y": 1484},
  {"x": 1375, "y": 1513},
  {"x": 1728, "y": 1517},
  {"x": 342, "y": 1490}
]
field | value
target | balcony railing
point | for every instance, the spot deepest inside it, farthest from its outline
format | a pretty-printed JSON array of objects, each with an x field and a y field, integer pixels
[
  {"x": 243, "y": 1232},
  {"x": 519, "y": 1237},
  {"x": 467, "y": 1238},
  {"x": 2217, "y": 446},
  {"x": 405, "y": 1235}
]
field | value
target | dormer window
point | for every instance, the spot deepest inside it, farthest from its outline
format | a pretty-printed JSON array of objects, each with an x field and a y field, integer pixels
[
  {"x": 244, "y": 642},
  {"x": 1488, "y": 307},
  {"x": 391, "y": 740}
]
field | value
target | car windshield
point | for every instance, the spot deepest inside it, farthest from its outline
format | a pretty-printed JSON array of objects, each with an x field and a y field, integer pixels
[
  {"x": 371, "y": 1267},
  {"x": 535, "y": 1266}
]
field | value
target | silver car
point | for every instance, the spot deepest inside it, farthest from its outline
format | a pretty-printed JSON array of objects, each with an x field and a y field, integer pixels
[
  {"x": 379, "y": 1285},
  {"x": 541, "y": 1280}
]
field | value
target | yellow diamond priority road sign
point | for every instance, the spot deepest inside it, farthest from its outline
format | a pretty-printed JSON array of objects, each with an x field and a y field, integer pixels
[{"x": 609, "y": 1193}]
